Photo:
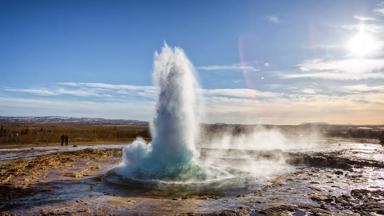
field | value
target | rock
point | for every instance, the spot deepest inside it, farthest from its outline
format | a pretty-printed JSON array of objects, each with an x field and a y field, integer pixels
[
  {"x": 240, "y": 212},
  {"x": 321, "y": 198},
  {"x": 314, "y": 188},
  {"x": 94, "y": 167},
  {"x": 279, "y": 210},
  {"x": 84, "y": 210},
  {"x": 338, "y": 172},
  {"x": 322, "y": 206},
  {"x": 6, "y": 213},
  {"x": 364, "y": 193},
  {"x": 74, "y": 174},
  {"x": 371, "y": 207}
]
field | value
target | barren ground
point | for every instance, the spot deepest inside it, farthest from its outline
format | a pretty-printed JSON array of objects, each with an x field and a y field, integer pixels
[{"x": 347, "y": 178}]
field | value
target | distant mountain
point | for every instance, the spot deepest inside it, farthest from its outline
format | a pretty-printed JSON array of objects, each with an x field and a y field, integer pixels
[{"x": 63, "y": 119}]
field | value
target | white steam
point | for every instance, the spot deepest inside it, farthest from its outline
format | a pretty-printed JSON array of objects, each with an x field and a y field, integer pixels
[
  {"x": 261, "y": 138},
  {"x": 173, "y": 155},
  {"x": 257, "y": 153}
]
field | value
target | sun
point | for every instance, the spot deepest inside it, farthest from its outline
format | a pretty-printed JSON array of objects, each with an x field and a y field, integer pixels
[{"x": 362, "y": 44}]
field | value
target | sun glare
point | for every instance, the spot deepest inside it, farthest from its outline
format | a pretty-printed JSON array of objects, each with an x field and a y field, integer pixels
[{"x": 362, "y": 44}]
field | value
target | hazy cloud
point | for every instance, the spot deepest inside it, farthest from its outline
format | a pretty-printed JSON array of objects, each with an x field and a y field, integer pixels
[
  {"x": 362, "y": 88},
  {"x": 239, "y": 93},
  {"x": 232, "y": 67},
  {"x": 356, "y": 109},
  {"x": 343, "y": 69},
  {"x": 222, "y": 105},
  {"x": 272, "y": 19},
  {"x": 379, "y": 10},
  {"x": 108, "y": 86},
  {"x": 55, "y": 91},
  {"x": 37, "y": 91},
  {"x": 326, "y": 46},
  {"x": 310, "y": 91},
  {"x": 112, "y": 91},
  {"x": 134, "y": 110},
  {"x": 363, "y": 18},
  {"x": 368, "y": 27}
]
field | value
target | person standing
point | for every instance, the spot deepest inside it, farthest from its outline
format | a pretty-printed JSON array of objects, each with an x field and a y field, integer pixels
[
  {"x": 66, "y": 140},
  {"x": 62, "y": 138},
  {"x": 381, "y": 138}
]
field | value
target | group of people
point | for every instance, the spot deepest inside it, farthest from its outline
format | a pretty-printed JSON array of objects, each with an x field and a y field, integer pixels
[{"x": 64, "y": 140}]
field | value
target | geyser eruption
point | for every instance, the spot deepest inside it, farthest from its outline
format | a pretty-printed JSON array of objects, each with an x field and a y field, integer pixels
[{"x": 172, "y": 155}]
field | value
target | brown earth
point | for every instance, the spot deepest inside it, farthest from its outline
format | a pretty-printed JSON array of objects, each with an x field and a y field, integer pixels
[{"x": 324, "y": 183}]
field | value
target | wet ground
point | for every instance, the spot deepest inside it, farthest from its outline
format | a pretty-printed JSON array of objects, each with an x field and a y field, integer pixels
[{"x": 334, "y": 178}]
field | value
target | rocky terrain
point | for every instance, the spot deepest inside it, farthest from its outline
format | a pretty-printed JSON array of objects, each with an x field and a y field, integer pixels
[{"x": 347, "y": 180}]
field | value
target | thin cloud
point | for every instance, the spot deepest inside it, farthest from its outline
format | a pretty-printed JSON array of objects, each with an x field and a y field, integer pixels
[
  {"x": 133, "y": 110},
  {"x": 343, "y": 65},
  {"x": 310, "y": 91},
  {"x": 239, "y": 93},
  {"x": 36, "y": 91},
  {"x": 79, "y": 92},
  {"x": 379, "y": 10},
  {"x": 333, "y": 76},
  {"x": 372, "y": 28},
  {"x": 116, "y": 90},
  {"x": 362, "y": 88},
  {"x": 232, "y": 67},
  {"x": 343, "y": 69},
  {"x": 364, "y": 18},
  {"x": 326, "y": 46},
  {"x": 272, "y": 19},
  {"x": 108, "y": 86},
  {"x": 54, "y": 92}
]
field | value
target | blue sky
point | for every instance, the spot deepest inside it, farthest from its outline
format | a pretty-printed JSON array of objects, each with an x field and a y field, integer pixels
[{"x": 280, "y": 62}]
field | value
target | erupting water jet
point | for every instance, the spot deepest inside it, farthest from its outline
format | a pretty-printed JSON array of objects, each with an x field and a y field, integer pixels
[{"x": 172, "y": 153}]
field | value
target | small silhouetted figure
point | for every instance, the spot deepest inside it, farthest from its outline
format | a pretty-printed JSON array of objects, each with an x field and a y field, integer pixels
[
  {"x": 66, "y": 140},
  {"x": 62, "y": 139},
  {"x": 381, "y": 138}
]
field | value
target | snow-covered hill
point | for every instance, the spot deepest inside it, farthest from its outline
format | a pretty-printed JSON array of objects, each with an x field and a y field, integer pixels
[{"x": 63, "y": 119}]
